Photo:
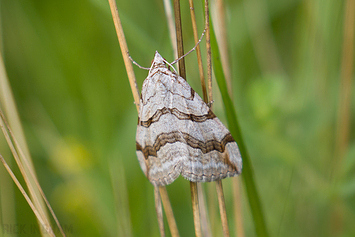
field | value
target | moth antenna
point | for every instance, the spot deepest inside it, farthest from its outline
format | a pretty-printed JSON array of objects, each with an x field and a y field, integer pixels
[
  {"x": 134, "y": 62},
  {"x": 199, "y": 41},
  {"x": 170, "y": 65}
]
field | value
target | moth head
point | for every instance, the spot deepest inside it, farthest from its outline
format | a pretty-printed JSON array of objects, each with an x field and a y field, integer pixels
[{"x": 158, "y": 61}]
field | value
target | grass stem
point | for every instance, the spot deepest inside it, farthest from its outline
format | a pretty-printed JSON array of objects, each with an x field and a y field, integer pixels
[
  {"x": 124, "y": 50},
  {"x": 198, "y": 51},
  {"x": 169, "y": 212},
  {"x": 195, "y": 209},
  {"x": 222, "y": 208},
  {"x": 159, "y": 211},
  {"x": 179, "y": 39},
  {"x": 208, "y": 51}
]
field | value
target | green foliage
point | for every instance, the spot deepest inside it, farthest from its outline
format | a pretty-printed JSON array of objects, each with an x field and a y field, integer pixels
[
  {"x": 233, "y": 124},
  {"x": 70, "y": 85}
]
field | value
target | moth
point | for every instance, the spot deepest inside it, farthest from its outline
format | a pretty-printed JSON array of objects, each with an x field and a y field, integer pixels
[{"x": 177, "y": 132}]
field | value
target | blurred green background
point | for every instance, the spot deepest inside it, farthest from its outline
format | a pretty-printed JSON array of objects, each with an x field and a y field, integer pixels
[{"x": 67, "y": 75}]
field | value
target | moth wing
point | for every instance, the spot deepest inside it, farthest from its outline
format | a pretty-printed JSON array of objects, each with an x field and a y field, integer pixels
[
  {"x": 213, "y": 153},
  {"x": 177, "y": 133},
  {"x": 160, "y": 146}
]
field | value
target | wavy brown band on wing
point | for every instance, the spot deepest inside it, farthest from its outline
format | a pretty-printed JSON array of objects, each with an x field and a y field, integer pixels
[
  {"x": 172, "y": 137},
  {"x": 180, "y": 115}
]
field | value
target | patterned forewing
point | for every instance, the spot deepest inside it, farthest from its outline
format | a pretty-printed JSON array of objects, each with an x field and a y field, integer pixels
[{"x": 177, "y": 133}]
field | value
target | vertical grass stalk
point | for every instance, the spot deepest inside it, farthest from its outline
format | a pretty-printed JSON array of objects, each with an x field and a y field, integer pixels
[
  {"x": 222, "y": 208},
  {"x": 22, "y": 190},
  {"x": 198, "y": 51},
  {"x": 159, "y": 211},
  {"x": 195, "y": 209},
  {"x": 343, "y": 121},
  {"x": 208, "y": 50},
  {"x": 169, "y": 212},
  {"x": 179, "y": 39},
  {"x": 219, "y": 187},
  {"x": 248, "y": 173},
  {"x": 135, "y": 92},
  {"x": 27, "y": 171}
]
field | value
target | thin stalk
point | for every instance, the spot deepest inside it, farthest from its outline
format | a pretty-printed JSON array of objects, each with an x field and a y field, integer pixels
[
  {"x": 205, "y": 226},
  {"x": 195, "y": 209},
  {"x": 343, "y": 121},
  {"x": 208, "y": 52},
  {"x": 21, "y": 157},
  {"x": 124, "y": 50},
  {"x": 219, "y": 187},
  {"x": 182, "y": 72},
  {"x": 222, "y": 41},
  {"x": 9, "y": 105},
  {"x": 220, "y": 20},
  {"x": 169, "y": 212},
  {"x": 15, "y": 146},
  {"x": 159, "y": 211},
  {"x": 198, "y": 51},
  {"x": 34, "y": 209},
  {"x": 135, "y": 92},
  {"x": 202, "y": 207},
  {"x": 344, "y": 107},
  {"x": 179, "y": 40},
  {"x": 234, "y": 128},
  {"x": 171, "y": 26},
  {"x": 222, "y": 208}
]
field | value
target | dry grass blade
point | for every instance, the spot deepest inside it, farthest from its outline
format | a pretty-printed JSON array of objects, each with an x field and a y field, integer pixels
[
  {"x": 135, "y": 92},
  {"x": 169, "y": 212},
  {"x": 208, "y": 51},
  {"x": 179, "y": 40},
  {"x": 202, "y": 206},
  {"x": 159, "y": 211},
  {"x": 205, "y": 226},
  {"x": 47, "y": 228},
  {"x": 170, "y": 19},
  {"x": 344, "y": 106},
  {"x": 182, "y": 73},
  {"x": 34, "y": 209},
  {"x": 195, "y": 209},
  {"x": 33, "y": 176},
  {"x": 9, "y": 106},
  {"x": 198, "y": 51},
  {"x": 344, "y": 111},
  {"x": 27, "y": 171},
  {"x": 220, "y": 195},
  {"x": 222, "y": 208},
  {"x": 124, "y": 50},
  {"x": 235, "y": 130},
  {"x": 221, "y": 35}
]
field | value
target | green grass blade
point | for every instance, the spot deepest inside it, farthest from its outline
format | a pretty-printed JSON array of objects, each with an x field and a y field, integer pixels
[{"x": 248, "y": 173}]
